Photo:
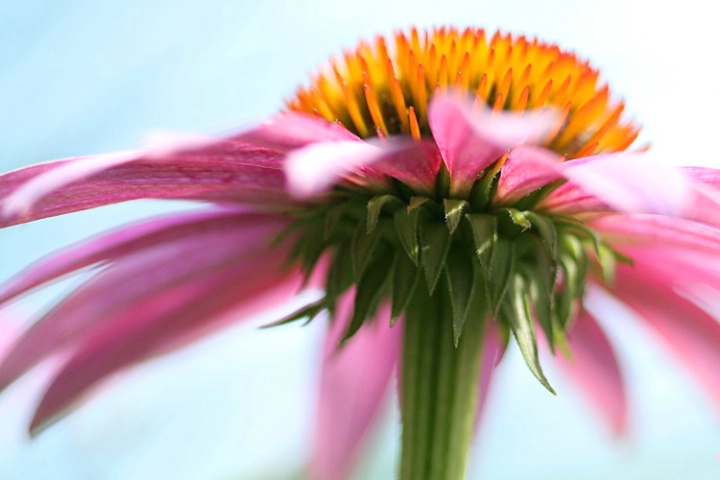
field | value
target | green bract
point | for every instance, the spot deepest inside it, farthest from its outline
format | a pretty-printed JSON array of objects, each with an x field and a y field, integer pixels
[{"x": 509, "y": 264}]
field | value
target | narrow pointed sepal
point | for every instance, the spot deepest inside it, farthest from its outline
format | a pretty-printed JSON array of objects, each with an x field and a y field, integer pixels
[
  {"x": 484, "y": 230},
  {"x": 499, "y": 272},
  {"x": 363, "y": 249},
  {"x": 454, "y": 211},
  {"x": 462, "y": 287},
  {"x": 375, "y": 207},
  {"x": 406, "y": 227},
  {"x": 517, "y": 312},
  {"x": 546, "y": 229},
  {"x": 308, "y": 312},
  {"x": 435, "y": 244},
  {"x": 406, "y": 276},
  {"x": 370, "y": 290}
]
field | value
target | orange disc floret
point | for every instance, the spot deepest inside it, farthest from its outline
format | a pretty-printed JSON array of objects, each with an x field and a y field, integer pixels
[{"x": 384, "y": 89}]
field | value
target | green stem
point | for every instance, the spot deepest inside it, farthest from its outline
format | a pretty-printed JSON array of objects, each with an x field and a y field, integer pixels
[{"x": 439, "y": 387}]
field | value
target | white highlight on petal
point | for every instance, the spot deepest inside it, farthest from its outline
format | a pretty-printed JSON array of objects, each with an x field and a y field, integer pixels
[
  {"x": 317, "y": 167},
  {"x": 21, "y": 200}
]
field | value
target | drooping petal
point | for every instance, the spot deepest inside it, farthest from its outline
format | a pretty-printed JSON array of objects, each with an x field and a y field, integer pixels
[
  {"x": 116, "y": 244},
  {"x": 241, "y": 168},
  {"x": 688, "y": 331},
  {"x": 415, "y": 164},
  {"x": 607, "y": 183},
  {"x": 471, "y": 139},
  {"x": 632, "y": 182},
  {"x": 137, "y": 278},
  {"x": 162, "y": 323},
  {"x": 595, "y": 370},
  {"x": 526, "y": 169},
  {"x": 242, "y": 175},
  {"x": 705, "y": 202},
  {"x": 644, "y": 230},
  {"x": 354, "y": 380},
  {"x": 572, "y": 199}
]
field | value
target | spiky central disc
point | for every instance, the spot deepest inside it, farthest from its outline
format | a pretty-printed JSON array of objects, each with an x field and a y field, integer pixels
[{"x": 384, "y": 87}]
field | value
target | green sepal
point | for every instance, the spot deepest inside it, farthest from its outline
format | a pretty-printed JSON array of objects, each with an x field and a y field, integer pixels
[
  {"x": 435, "y": 243},
  {"x": 417, "y": 202},
  {"x": 484, "y": 230},
  {"x": 519, "y": 219},
  {"x": 333, "y": 219},
  {"x": 461, "y": 283},
  {"x": 546, "y": 229},
  {"x": 607, "y": 260},
  {"x": 577, "y": 230},
  {"x": 369, "y": 292},
  {"x": 517, "y": 313},
  {"x": 540, "y": 278},
  {"x": 574, "y": 262},
  {"x": 363, "y": 246},
  {"x": 576, "y": 250},
  {"x": 340, "y": 273},
  {"x": 309, "y": 311},
  {"x": 308, "y": 251},
  {"x": 454, "y": 210},
  {"x": 567, "y": 295},
  {"x": 499, "y": 272},
  {"x": 484, "y": 190},
  {"x": 375, "y": 207},
  {"x": 442, "y": 182},
  {"x": 406, "y": 276},
  {"x": 406, "y": 226}
]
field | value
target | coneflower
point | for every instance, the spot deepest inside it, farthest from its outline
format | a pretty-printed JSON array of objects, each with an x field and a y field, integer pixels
[{"x": 447, "y": 190}]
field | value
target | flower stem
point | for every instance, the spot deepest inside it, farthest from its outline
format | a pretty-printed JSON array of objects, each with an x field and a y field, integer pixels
[{"x": 439, "y": 387}]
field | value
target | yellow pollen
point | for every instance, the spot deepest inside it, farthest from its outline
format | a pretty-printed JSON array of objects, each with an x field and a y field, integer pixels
[{"x": 377, "y": 90}]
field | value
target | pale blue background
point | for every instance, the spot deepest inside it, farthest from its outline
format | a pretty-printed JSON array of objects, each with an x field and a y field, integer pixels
[{"x": 79, "y": 77}]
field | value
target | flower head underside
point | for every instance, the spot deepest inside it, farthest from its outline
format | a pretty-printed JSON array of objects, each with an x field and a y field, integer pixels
[{"x": 461, "y": 222}]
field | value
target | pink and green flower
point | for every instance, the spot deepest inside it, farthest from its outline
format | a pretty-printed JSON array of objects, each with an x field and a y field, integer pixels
[{"x": 446, "y": 190}]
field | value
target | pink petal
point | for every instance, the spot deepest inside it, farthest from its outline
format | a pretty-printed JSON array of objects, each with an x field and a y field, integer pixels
[
  {"x": 110, "y": 246},
  {"x": 416, "y": 164},
  {"x": 632, "y": 182},
  {"x": 687, "y": 270},
  {"x": 162, "y": 267},
  {"x": 694, "y": 192},
  {"x": 163, "y": 322},
  {"x": 569, "y": 198},
  {"x": 470, "y": 140},
  {"x": 67, "y": 172},
  {"x": 644, "y": 230},
  {"x": 703, "y": 175},
  {"x": 243, "y": 168},
  {"x": 705, "y": 203},
  {"x": 29, "y": 193},
  {"x": 526, "y": 169},
  {"x": 690, "y": 333},
  {"x": 595, "y": 370},
  {"x": 195, "y": 169},
  {"x": 354, "y": 381}
]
